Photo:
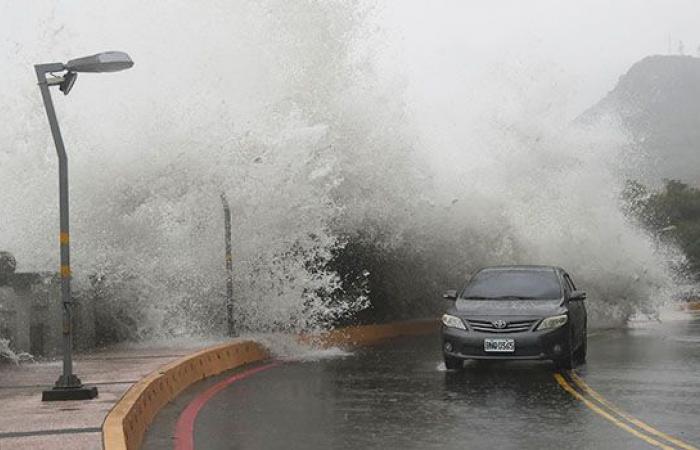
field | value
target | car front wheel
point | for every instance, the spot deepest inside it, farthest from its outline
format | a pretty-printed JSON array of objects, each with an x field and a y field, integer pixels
[
  {"x": 583, "y": 349},
  {"x": 566, "y": 361}
]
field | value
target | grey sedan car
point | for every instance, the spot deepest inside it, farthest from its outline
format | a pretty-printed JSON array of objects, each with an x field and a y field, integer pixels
[{"x": 516, "y": 312}]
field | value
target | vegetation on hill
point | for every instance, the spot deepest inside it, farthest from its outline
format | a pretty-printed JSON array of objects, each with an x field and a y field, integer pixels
[{"x": 673, "y": 214}]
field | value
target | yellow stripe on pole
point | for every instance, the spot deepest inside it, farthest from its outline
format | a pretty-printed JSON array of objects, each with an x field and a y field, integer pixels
[
  {"x": 65, "y": 271},
  {"x": 64, "y": 238}
]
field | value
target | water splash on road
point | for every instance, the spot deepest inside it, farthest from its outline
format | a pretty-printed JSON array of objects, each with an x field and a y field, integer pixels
[
  {"x": 8, "y": 355},
  {"x": 291, "y": 348}
]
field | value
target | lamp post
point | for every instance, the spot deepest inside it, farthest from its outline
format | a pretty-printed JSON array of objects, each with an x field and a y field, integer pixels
[{"x": 68, "y": 386}]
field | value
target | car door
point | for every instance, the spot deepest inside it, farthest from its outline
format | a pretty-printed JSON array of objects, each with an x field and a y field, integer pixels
[{"x": 577, "y": 312}]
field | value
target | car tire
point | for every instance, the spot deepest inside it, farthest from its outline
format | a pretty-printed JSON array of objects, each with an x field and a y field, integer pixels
[
  {"x": 583, "y": 349},
  {"x": 453, "y": 363},
  {"x": 567, "y": 361}
]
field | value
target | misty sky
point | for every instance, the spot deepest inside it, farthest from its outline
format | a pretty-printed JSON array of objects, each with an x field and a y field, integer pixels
[
  {"x": 576, "y": 49},
  {"x": 579, "y": 48}
]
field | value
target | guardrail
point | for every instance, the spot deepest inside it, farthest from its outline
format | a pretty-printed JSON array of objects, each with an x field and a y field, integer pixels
[{"x": 127, "y": 422}]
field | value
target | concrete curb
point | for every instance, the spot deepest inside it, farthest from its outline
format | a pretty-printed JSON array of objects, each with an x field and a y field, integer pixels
[{"x": 127, "y": 422}]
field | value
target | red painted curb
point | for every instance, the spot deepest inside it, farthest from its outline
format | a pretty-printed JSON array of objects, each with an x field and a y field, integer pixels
[{"x": 184, "y": 429}]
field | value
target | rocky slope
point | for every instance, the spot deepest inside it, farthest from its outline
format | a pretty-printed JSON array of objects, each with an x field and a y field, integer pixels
[{"x": 658, "y": 103}]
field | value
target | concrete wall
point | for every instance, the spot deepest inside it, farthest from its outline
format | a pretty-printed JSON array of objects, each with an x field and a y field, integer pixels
[{"x": 31, "y": 314}]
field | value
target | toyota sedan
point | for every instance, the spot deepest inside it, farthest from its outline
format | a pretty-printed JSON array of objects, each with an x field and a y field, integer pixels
[{"x": 516, "y": 313}]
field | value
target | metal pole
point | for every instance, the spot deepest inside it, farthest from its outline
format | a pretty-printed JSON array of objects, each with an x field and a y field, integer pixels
[
  {"x": 67, "y": 380},
  {"x": 229, "y": 265}
]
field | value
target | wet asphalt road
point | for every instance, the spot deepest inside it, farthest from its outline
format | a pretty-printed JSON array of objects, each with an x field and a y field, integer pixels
[{"x": 397, "y": 395}]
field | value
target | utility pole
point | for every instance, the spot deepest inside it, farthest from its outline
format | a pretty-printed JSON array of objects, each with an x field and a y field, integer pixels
[{"x": 229, "y": 265}]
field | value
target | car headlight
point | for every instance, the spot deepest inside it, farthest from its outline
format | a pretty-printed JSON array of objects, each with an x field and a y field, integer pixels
[
  {"x": 453, "y": 322},
  {"x": 553, "y": 322}
]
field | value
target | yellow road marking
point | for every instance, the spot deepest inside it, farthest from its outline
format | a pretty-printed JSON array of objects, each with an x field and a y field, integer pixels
[
  {"x": 598, "y": 410},
  {"x": 648, "y": 428}
]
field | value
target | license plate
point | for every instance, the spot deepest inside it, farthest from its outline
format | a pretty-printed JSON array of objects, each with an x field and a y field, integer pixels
[{"x": 499, "y": 345}]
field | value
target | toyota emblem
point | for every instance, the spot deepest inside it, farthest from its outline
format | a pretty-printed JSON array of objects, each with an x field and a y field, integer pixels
[{"x": 499, "y": 324}]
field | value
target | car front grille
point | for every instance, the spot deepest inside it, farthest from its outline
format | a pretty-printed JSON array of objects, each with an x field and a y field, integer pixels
[{"x": 514, "y": 326}]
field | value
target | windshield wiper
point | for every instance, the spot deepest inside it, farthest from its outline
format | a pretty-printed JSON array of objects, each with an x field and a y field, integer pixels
[
  {"x": 514, "y": 297},
  {"x": 476, "y": 298}
]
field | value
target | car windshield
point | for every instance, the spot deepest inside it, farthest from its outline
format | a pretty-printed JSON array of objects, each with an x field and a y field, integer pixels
[{"x": 513, "y": 285}]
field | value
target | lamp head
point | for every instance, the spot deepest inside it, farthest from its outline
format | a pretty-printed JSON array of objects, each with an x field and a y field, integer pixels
[
  {"x": 101, "y": 62},
  {"x": 68, "y": 82}
]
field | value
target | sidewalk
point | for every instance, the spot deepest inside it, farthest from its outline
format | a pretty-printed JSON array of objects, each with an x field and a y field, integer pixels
[{"x": 28, "y": 423}]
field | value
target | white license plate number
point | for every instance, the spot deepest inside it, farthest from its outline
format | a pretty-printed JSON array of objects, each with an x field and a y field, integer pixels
[{"x": 499, "y": 345}]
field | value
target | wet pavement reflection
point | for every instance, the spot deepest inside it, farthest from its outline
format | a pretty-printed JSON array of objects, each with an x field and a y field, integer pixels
[{"x": 398, "y": 395}]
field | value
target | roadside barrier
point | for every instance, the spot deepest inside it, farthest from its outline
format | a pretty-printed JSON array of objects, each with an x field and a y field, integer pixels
[
  {"x": 366, "y": 334},
  {"x": 127, "y": 422},
  {"x": 693, "y": 306}
]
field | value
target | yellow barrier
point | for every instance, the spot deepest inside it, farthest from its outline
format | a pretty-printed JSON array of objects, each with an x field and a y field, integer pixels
[
  {"x": 693, "y": 306},
  {"x": 127, "y": 422},
  {"x": 366, "y": 334}
]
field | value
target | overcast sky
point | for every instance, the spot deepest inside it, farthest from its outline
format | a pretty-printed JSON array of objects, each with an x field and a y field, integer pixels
[
  {"x": 564, "y": 53},
  {"x": 580, "y": 47}
]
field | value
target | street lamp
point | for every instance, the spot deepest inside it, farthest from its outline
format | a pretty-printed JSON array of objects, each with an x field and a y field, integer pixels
[{"x": 68, "y": 386}]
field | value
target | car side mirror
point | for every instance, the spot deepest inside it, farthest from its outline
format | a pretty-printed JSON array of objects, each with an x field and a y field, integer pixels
[
  {"x": 577, "y": 296},
  {"x": 450, "y": 294}
]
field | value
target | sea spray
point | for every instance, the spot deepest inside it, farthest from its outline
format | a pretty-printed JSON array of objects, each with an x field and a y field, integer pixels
[
  {"x": 8, "y": 355},
  {"x": 351, "y": 199}
]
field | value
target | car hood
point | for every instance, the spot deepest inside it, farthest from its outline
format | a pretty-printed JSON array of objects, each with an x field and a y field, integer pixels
[{"x": 538, "y": 308}]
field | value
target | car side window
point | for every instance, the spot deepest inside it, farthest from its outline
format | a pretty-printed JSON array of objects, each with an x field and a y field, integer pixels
[{"x": 569, "y": 283}]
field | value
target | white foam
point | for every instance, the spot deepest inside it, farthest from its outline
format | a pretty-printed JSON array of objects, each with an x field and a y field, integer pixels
[
  {"x": 290, "y": 347},
  {"x": 441, "y": 367},
  {"x": 7, "y": 354},
  {"x": 314, "y": 140}
]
